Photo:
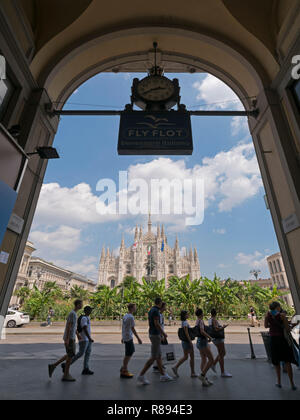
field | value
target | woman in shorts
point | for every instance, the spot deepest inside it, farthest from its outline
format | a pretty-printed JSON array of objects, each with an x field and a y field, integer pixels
[
  {"x": 219, "y": 343},
  {"x": 187, "y": 346},
  {"x": 207, "y": 359}
]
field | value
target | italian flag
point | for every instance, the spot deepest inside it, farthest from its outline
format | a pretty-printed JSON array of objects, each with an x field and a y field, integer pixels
[
  {"x": 149, "y": 250},
  {"x": 134, "y": 246}
]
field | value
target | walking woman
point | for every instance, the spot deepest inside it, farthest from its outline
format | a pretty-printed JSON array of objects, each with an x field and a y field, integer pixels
[
  {"x": 207, "y": 359},
  {"x": 219, "y": 343},
  {"x": 280, "y": 349},
  {"x": 188, "y": 348}
]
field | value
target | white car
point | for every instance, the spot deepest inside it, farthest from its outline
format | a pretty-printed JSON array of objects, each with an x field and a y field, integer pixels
[{"x": 15, "y": 319}]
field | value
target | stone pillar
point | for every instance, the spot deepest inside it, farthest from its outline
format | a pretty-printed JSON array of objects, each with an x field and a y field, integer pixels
[
  {"x": 281, "y": 176},
  {"x": 37, "y": 129}
]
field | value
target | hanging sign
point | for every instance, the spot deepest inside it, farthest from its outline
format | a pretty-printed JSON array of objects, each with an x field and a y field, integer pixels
[{"x": 155, "y": 133}]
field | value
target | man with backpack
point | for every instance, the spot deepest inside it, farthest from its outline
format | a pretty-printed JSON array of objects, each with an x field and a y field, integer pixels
[{"x": 85, "y": 341}]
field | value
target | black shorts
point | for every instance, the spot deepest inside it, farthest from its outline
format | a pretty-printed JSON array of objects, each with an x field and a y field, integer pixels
[
  {"x": 71, "y": 349},
  {"x": 129, "y": 348}
]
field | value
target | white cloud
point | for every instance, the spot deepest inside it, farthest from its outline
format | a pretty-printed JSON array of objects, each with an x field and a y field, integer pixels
[
  {"x": 64, "y": 238},
  {"x": 72, "y": 206},
  {"x": 217, "y": 95},
  {"x": 254, "y": 261}
]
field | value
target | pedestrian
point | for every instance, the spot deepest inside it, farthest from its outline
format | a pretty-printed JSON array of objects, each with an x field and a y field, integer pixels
[
  {"x": 164, "y": 341},
  {"x": 84, "y": 335},
  {"x": 281, "y": 351},
  {"x": 187, "y": 346},
  {"x": 207, "y": 359},
  {"x": 214, "y": 324},
  {"x": 49, "y": 317},
  {"x": 155, "y": 334},
  {"x": 70, "y": 344},
  {"x": 128, "y": 330}
]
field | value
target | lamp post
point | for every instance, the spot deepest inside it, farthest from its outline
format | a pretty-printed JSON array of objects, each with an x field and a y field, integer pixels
[{"x": 255, "y": 273}]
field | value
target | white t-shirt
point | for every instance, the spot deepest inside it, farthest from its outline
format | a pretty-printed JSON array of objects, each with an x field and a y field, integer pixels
[
  {"x": 128, "y": 324},
  {"x": 85, "y": 322},
  {"x": 72, "y": 319}
]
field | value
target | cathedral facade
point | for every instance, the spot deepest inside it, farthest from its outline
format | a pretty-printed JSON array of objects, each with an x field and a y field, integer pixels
[{"x": 150, "y": 256}]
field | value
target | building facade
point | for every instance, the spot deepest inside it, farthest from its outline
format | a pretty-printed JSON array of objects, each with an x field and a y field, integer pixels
[
  {"x": 279, "y": 277},
  {"x": 37, "y": 272},
  {"x": 150, "y": 257}
]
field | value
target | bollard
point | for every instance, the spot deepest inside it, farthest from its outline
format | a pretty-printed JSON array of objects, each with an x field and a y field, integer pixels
[{"x": 251, "y": 346}]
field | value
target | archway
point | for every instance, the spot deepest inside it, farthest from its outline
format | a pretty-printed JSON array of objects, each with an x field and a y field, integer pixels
[{"x": 247, "y": 63}]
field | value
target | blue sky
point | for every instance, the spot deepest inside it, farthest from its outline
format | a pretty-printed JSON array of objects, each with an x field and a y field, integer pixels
[{"x": 237, "y": 233}]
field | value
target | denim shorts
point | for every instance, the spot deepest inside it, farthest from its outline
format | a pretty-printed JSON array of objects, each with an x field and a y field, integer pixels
[
  {"x": 202, "y": 343},
  {"x": 187, "y": 346},
  {"x": 217, "y": 341}
]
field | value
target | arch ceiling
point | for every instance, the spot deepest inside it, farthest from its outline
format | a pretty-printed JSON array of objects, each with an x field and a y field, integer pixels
[{"x": 75, "y": 40}]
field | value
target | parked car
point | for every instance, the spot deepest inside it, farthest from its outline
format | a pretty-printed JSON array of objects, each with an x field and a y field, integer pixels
[{"x": 15, "y": 319}]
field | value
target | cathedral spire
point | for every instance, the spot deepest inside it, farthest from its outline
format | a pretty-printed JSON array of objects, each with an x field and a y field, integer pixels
[
  {"x": 122, "y": 243},
  {"x": 102, "y": 254},
  {"x": 196, "y": 254},
  {"x": 163, "y": 231},
  {"x": 158, "y": 231},
  {"x": 149, "y": 223},
  {"x": 141, "y": 232},
  {"x": 176, "y": 243},
  {"x": 191, "y": 253},
  {"x": 136, "y": 235}
]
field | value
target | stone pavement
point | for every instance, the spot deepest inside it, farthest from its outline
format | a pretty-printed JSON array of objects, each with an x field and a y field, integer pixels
[{"x": 23, "y": 373}]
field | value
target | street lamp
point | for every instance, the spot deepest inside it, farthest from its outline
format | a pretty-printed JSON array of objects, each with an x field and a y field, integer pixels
[{"x": 255, "y": 273}]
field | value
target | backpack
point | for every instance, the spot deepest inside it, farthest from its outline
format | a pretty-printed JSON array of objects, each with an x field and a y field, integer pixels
[
  {"x": 79, "y": 327},
  {"x": 193, "y": 333}
]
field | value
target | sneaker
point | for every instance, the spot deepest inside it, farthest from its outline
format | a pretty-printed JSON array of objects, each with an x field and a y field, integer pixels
[
  {"x": 202, "y": 378},
  {"x": 206, "y": 383},
  {"x": 175, "y": 371},
  {"x": 166, "y": 378},
  {"x": 87, "y": 372},
  {"x": 226, "y": 375},
  {"x": 51, "y": 369},
  {"x": 142, "y": 380},
  {"x": 126, "y": 375},
  {"x": 68, "y": 378}
]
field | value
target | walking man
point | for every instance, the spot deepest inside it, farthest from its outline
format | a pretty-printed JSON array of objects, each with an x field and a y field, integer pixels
[
  {"x": 164, "y": 342},
  {"x": 49, "y": 317},
  {"x": 155, "y": 334},
  {"x": 85, "y": 341},
  {"x": 70, "y": 344},
  {"x": 128, "y": 330}
]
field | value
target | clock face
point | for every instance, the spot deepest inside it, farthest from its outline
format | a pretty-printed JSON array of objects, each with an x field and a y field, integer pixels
[{"x": 155, "y": 88}]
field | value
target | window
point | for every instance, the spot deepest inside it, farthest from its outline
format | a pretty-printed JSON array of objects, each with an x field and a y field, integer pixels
[
  {"x": 128, "y": 269},
  {"x": 6, "y": 92},
  {"x": 279, "y": 265},
  {"x": 171, "y": 269},
  {"x": 271, "y": 268},
  {"x": 112, "y": 284}
]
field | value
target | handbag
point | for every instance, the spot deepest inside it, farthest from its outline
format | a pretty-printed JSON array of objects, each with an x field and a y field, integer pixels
[
  {"x": 168, "y": 353},
  {"x": 217, "y": 335}
]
